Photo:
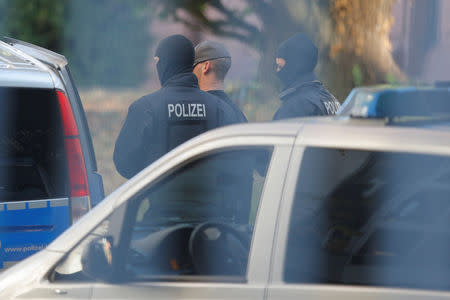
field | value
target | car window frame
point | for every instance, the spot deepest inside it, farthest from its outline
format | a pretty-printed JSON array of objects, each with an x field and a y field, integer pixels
[
  {"x": 277, "y": 270},
  {"x": 125, "y": 237},
  {"x": 258, "y": 268}
]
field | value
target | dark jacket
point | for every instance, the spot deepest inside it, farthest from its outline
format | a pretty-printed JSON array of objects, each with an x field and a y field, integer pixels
[
  {"x": 222, "y": 95},
  {"x": 158, "y": 122},
  {"x": 306, "y": 97}
]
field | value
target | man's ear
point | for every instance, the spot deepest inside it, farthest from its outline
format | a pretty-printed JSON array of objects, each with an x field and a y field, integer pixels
[{"x": 206, "y": 67}]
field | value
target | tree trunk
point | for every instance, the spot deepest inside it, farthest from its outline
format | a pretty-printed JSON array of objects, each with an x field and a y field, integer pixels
[{"x": 361, "y": 42}]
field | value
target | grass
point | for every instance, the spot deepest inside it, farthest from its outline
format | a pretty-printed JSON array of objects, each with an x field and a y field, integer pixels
[{"x": 106, "y": 111}]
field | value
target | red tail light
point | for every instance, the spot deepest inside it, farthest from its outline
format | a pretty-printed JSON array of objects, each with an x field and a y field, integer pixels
[
  {"x": 69, "y": 125},
  {"x": 79, "y": 188},
  {"x": 77, "y": 170}
]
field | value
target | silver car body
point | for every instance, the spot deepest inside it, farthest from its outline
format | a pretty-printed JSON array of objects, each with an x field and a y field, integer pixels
[
  {"x": 23, "y": 70},
  {"x": 28, "y": 279}
]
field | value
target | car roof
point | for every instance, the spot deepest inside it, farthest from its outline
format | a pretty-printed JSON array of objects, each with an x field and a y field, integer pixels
[
  {"x": 18, "y": 69},
  {"x": 292, "y": 127},
  {"x": 346, "y": 132}
]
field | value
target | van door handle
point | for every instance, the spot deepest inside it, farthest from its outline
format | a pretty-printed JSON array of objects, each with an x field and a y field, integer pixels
[{"x": 60, "y": 292}]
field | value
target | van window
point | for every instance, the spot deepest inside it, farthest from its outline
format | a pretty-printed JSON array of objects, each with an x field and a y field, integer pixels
[
  {"x": 32, "y": 156},
  {"x": 370, "y": 218}
]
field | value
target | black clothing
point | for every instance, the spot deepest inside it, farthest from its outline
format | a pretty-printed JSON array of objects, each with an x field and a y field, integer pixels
[
  {"x": 158, "y": 122},
  {"x": 300, "y": 55},
  {"x": 306, "y": 97},
  {"x": 222, "y": 95},
  {"x": 303, "y": 94},
  {"x": 176, "y": 55}
]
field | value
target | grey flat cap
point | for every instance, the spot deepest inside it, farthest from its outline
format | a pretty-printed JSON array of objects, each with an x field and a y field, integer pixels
[{"x": 209, "y": 50}]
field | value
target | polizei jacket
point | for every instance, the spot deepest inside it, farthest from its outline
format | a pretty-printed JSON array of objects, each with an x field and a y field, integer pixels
[
  {"x": 158, "y": 122},
  {"x": 306, "y": 98}
]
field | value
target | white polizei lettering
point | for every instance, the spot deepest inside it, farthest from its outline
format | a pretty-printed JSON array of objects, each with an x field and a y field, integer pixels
[
  {"x": 171, "y": 108},
  {"x": 337, "y": 106},
  {"x": 201, "y": 110},
  {"x": 193, "y": 110},
  {"x": 332, "y": 107},
  {"x": 185, "y": 115},
  {"x": 187, "y": 110},
  {"x": 178, "y": 110},
  {"x": 327, "y": 106}
]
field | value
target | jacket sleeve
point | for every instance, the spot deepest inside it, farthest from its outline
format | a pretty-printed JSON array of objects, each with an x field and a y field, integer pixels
[{"x": 130, "y": 152}]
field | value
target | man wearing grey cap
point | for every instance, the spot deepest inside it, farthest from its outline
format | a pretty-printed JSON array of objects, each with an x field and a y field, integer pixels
[{"x": 211, "y": 65}]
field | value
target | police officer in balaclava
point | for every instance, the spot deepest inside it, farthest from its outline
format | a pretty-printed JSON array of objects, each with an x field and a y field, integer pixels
[
  {"x": 160, "y": 121},
  {"x": 303, "y": 95}
]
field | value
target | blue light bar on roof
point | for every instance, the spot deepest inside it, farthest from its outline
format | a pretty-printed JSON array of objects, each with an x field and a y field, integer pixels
[{"x": 397, "y": 102}]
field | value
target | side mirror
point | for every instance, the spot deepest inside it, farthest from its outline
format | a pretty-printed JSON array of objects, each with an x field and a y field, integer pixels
[{"x": 97, "y": 259}]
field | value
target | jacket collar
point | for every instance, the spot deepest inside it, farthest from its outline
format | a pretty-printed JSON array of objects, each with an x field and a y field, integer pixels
[
  {"x": 218, "y": 93},
  {"x": 182, "y": 79},
  {"x": 305, "y": 80}
]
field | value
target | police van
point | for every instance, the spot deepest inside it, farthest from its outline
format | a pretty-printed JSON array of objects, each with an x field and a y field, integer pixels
[
  {"x": 353, "y": 206},
  {"x": 48, "y": 171}
]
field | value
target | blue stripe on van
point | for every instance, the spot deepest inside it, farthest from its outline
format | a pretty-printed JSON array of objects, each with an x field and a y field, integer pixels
[{"x": 26, "y": 229}]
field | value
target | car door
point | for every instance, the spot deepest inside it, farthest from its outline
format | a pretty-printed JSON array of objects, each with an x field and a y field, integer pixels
[
  {"x": 228, "y": 168},
  {"x": 231, "y": 186},
  {"x": 363, "y": 224}
]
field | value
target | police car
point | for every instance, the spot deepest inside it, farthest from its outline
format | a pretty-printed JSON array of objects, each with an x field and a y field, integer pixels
[
  {"x": 48, "y": 172},
  {"x": 353, "y": 206}
]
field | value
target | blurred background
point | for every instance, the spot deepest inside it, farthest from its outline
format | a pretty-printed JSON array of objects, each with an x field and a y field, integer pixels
[{"x": 110, "y": 45}]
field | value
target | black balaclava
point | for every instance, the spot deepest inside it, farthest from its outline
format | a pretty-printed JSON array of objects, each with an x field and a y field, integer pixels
[
  {"x": 176, "y": 55},
  {"x": 300, "y": 54}
]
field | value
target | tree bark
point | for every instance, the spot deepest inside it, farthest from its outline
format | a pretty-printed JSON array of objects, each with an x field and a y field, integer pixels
[{"x": 361, "y": 39}]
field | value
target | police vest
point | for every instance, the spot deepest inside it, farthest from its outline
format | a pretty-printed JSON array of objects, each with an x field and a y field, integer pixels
[
  {"x": 325, "y": 101},
  {"x": 176, "y": 121}
]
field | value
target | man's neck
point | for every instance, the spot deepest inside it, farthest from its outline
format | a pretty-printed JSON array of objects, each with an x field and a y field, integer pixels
[{"x": 211, "y": 85}]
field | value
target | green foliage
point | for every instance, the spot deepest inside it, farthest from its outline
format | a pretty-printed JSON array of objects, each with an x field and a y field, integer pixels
[
  {"x": 39, "y": 21},
  {"x": 391, "y": 79},
  {"x": 357, "y": 75},
  {"x": 246, "y": 12},
  {"x": 2, "y": 16},
  {"x": 107, "y": 42}
]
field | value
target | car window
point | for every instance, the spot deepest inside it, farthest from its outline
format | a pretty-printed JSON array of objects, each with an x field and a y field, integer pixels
[
  {"x": 370, "y": 218},
  {"x": 198, "y": 220},
  {"x": 32, "y": 155}
]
